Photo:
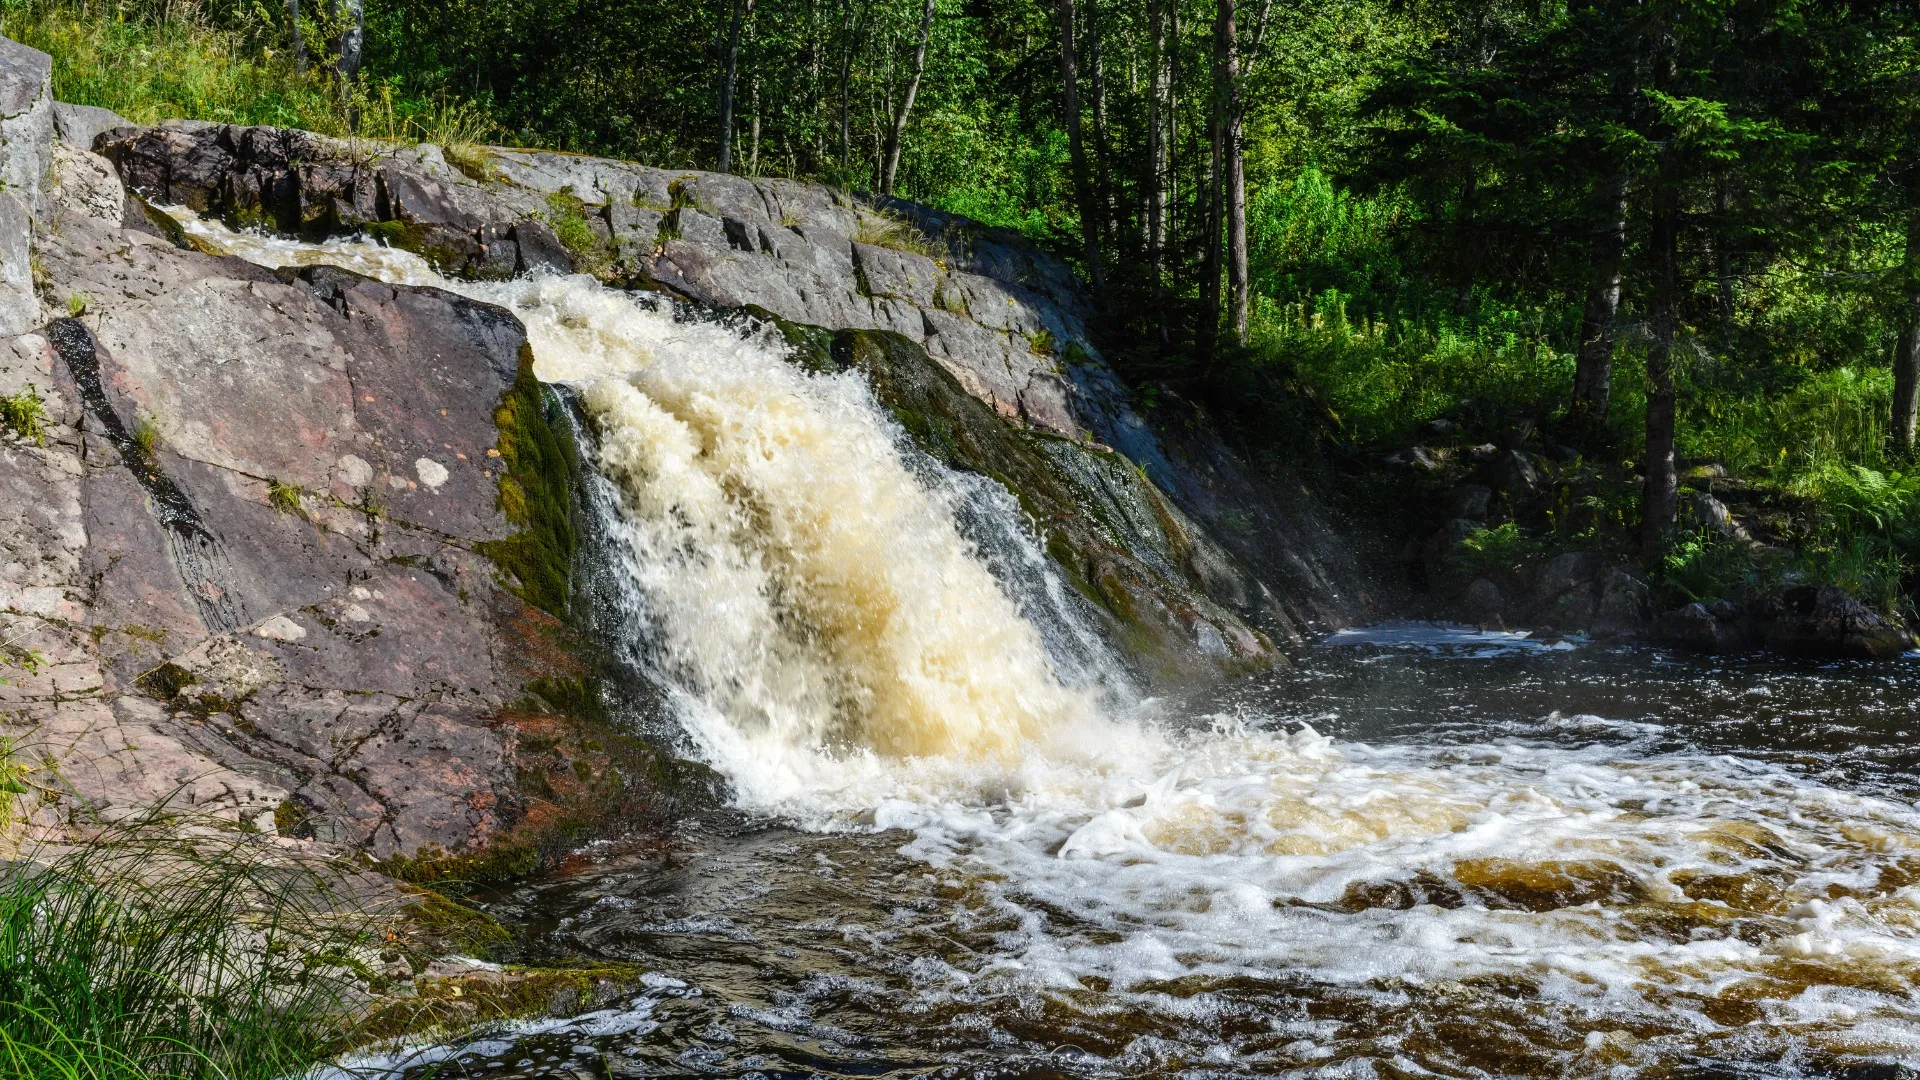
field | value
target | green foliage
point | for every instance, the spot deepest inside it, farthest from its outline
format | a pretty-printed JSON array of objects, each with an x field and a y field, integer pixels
[
  {"x": 1704, "y": 566},
  {"x": 131, "y": 957},
  {"x": 17, "y": 777},
  {"x": 24, "y": 414},
  {"x": 1384, "y": 380},
  {"x": 225, "y": 62},
  {"x": 1500, "y": 549}
]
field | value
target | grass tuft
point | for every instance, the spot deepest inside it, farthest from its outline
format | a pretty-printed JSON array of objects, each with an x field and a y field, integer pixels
[
  {"x": 286, "y": 498},
  {"x": 24, "y": 414},
  {"x": 885, "y": 230},
  {"x": 146, "y": 438},
  {"x": 139, "y": 955}
]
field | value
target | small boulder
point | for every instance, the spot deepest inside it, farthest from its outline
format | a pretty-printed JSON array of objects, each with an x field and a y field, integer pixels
[
  {"x": 1471, "y": 501},
  {"x": 1710, "y": 512},
  {"x": 79, "y": 125},
  {"x": 1483, "y": 601},
  {"x": 1698, "y": 628},
  {"x": 1564, "y": 573},
  {"x": 1514, "y": 472},
  {"x": 1824, "y": 621},
  {"x": 540, "y": 249},
  {"x": 1418, "y": 458},
  {"x": 1625, "y": 605}
]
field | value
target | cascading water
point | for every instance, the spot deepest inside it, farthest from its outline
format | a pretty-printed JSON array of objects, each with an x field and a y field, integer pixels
[{"x": 818, "y": 604}]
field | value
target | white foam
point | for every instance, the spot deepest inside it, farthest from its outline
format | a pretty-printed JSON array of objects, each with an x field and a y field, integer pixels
[{"x": 837, "y": 648}]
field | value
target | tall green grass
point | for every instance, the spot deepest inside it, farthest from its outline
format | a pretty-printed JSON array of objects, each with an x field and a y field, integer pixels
[
  {"x": 150, "y": 62},
  {"x": 217, "y": 956}
]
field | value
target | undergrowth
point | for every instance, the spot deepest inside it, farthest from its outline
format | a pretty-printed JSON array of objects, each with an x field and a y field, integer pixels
[
  {"x": 149, "y": 67},
  {"x": 132, "y": 956}
]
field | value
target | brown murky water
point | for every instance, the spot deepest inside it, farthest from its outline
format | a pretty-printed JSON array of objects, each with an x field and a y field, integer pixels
[{"x": 1691, "y": 868}]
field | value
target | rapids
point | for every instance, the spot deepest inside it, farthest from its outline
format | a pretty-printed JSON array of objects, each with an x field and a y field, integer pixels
[{"x": 959, "y": 844}]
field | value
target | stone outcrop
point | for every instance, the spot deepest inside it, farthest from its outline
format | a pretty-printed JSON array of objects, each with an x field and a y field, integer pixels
[
  {"x": 254, "y": 563},
  {"x": 297, "y": 547},
  {"x": 1821, "y": 622},
  {"x": 1006, "y": 320}
]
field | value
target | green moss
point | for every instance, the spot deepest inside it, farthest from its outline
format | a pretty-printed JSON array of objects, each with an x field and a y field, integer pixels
[
  {"x": 292, "y": 819},
  {"x": 506, "y": 860},
  {"x": 567, "y": 216},
  {"x": 541, "y": 466},
  {"x": 410, "y": 236},
  {"x": 175, "y": 232},
  {"x": 460, "y": 1002},
  {"x": 165, "y": 682},
  {"x": 285, "y": 498},
  {"x": 443, "y": 925},
  {"x": 577, "y": 697}
]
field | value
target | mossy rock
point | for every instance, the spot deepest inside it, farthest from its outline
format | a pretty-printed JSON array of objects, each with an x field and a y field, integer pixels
[
  {"x": 460, "y": 1002},
  {"x": 540, "y": 473}
]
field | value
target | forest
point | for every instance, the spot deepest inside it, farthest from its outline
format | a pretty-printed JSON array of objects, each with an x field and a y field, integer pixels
[{"x": 1653, "y": 236}]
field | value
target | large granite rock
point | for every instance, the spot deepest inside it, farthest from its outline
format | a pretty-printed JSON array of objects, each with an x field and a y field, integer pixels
[
  {"x": 1005, "y": 319},
  {"x": 79, "y": 126},
  {"x": 1008, "y": 323},
  {"x": 261, "y": 551},
  {"x": 26, "y": 156}
]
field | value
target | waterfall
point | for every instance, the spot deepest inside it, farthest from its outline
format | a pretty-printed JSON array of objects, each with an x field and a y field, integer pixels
[
  {"x": 815, "y": 596},
  {"x": 857, "y": 637}
]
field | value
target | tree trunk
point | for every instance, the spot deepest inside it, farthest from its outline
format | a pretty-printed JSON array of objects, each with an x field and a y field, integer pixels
[
  {"x": 1906, "y": 351},
  {"x": 1659, "y": 495},
  {"x": 899, "y": 129},
  {"x": 1593, "y": 363},
  {"x": 742, "y": 9},
  {"x": 855, "y": 17},
  {"x": 1218, "y": 128},
  {"x": 753, "y": 129},
  {"x": 1236, "y": 200},
  {"x": 299, "y": 39},
  {"x": 1158, "y": 146},
  {"x": 352, "y": 39},
  {"x": 1077, "y": 152}
]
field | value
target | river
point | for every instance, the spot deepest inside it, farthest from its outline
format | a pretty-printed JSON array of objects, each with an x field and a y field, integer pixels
[{"x": 956, "y": 841}]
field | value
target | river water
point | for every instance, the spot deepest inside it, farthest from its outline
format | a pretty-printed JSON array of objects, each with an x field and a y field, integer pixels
[{"x": 957, "y": 842}]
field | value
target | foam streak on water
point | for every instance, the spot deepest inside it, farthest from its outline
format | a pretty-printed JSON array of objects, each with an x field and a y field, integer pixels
[{"x": 840, "y": 650}]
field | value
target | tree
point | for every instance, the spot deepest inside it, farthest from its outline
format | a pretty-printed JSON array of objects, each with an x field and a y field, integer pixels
[
  {"x": 352, "y": 40},
  {"x": 742, "y": 11},
  {"x": 1077, "y": 151},
  {"x": 898, "y": 130}
]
